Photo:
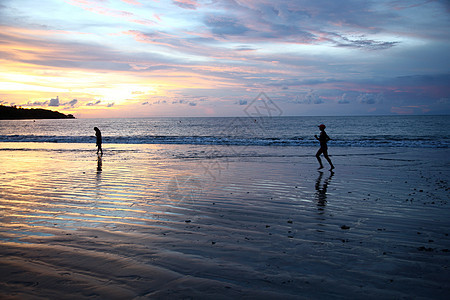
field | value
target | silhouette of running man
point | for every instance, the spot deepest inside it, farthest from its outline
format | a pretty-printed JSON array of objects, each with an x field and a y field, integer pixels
[
  {"x": 323, "y": 138},
  {"x": 98, "y": 135}
]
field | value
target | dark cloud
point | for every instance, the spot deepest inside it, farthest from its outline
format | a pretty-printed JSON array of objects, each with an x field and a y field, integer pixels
[
  {"x": 93, "y": 103},
  {"x": 364, "y": 43},
  {"x": 36, "y": 103},
  {"x": 110, "y": 104},
  {"x": 246, "y": 48},
  {"x": 302, "y": 82},
  {"x": 445, "y": 101},
  {"x": 187, "y": 4},
  {"x": 223, "y": 25},
  {"x": 54, "y": 102},
  {"x": 72, "y": 102},
  {"x": 412, "y": 80},
  {"x": 310, "y": 97},
  {"x": 368, "y": 98},
  {"x": 344, "y": 99}
]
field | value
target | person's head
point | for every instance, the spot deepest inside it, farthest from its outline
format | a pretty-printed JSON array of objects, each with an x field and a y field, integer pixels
[
  {"x": 96, "y": 129},
  {"x": 322, "y": 127}
]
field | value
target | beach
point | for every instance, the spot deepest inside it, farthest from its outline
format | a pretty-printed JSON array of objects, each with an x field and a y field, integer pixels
[{"x": 175, "y": 222}]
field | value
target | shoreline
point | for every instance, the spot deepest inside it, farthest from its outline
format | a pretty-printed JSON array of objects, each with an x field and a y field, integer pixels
[{"x": 170, "y": 221}]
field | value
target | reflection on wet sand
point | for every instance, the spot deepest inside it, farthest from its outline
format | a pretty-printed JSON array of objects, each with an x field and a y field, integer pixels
[
  {"x": 99, "y": 165},
  {"x": 140, "y": 227},
  {"x": 98, "y": 177},
  {"x": 321, "y": 191}
]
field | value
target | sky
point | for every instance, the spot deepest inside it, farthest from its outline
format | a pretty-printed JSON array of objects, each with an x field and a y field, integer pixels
[{"x": 136, "y": 58}]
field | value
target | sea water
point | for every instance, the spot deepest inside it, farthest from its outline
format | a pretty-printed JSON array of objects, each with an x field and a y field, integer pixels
[{"x": 356, "y": 131}]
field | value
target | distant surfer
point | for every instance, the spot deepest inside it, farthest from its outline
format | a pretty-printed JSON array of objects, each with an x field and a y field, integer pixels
[
  {"x": 98, "y": 135},
  {"x": 323, "y": 138}
]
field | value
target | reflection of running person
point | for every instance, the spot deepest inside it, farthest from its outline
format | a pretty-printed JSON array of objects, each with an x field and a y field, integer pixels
[
  {"x": 323, "y": 139},
  {"x": 321, "y": 192},
  {"x": 98, "y": 135}
]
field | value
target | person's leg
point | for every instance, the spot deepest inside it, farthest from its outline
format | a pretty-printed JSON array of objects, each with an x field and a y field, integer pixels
[
  {"x": 325, "y": 154},
  {"x": 318, "y": 158}
]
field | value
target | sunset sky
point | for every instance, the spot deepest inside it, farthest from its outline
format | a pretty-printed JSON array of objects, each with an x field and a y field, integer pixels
[{"x": 136, "y": 58}]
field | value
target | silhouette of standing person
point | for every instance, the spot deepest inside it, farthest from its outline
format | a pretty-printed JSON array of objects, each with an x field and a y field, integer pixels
[
  {"x": 98, "y": 135},
  {"x": 323, "y": 138}
]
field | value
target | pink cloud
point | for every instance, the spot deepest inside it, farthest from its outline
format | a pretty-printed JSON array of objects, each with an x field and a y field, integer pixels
[
  {"x": 100, "y": 8},
  {"x": 157, "y": 38},
  {"x": 132, "y": 2},
  {"x": 411, "y": 109}
]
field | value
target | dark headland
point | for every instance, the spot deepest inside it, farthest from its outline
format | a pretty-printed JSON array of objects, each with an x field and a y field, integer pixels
[{"x": 14, "y": 113}]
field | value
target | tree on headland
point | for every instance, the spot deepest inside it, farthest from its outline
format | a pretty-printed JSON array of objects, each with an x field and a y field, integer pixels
[{"x": 14, "y": 113}]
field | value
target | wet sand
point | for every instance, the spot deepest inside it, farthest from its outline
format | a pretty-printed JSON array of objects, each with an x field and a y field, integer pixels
[{"x": 192, "y": 222}]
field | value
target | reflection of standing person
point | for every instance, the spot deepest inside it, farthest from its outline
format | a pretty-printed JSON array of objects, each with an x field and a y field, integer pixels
[
  {"x": 323, "y": 138},
  {"x": 98, "y": 135},
  {"x": 99, "y": 165}
]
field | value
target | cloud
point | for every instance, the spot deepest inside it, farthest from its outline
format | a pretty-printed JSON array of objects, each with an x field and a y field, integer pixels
[
  {"x": 444, "y": 101},
  {"x": 192, "y": 104},
  {"x": 54, "y": 102},
  {"x": 223, "y": 25},
  {"x": 364, "y": 43},
  {"x": 159, "y": 102},
  {"x": 132, "y": 2},
  {"x": 413, "y": 80},
  {"x": 110, "y": 104},
  {"x": 37, "y": 103},
  {"x": 187, "y": 4},
  {"x": 368, "y": 98},
  {"x": 93, "y": 103},
  {"x": 72, "y": 102},
  {"x": 409, "y": 110},
  {"x": 344, "y": 99},
  {"x": 101, "y": 8},
  {"x": 310, "y": 97}
]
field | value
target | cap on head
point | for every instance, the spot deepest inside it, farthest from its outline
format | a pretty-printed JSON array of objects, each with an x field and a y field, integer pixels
[{"x": 322, "y": 126}]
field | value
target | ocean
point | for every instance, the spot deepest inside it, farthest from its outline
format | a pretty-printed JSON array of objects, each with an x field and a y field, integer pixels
[{"x": 355, "y": 131}]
